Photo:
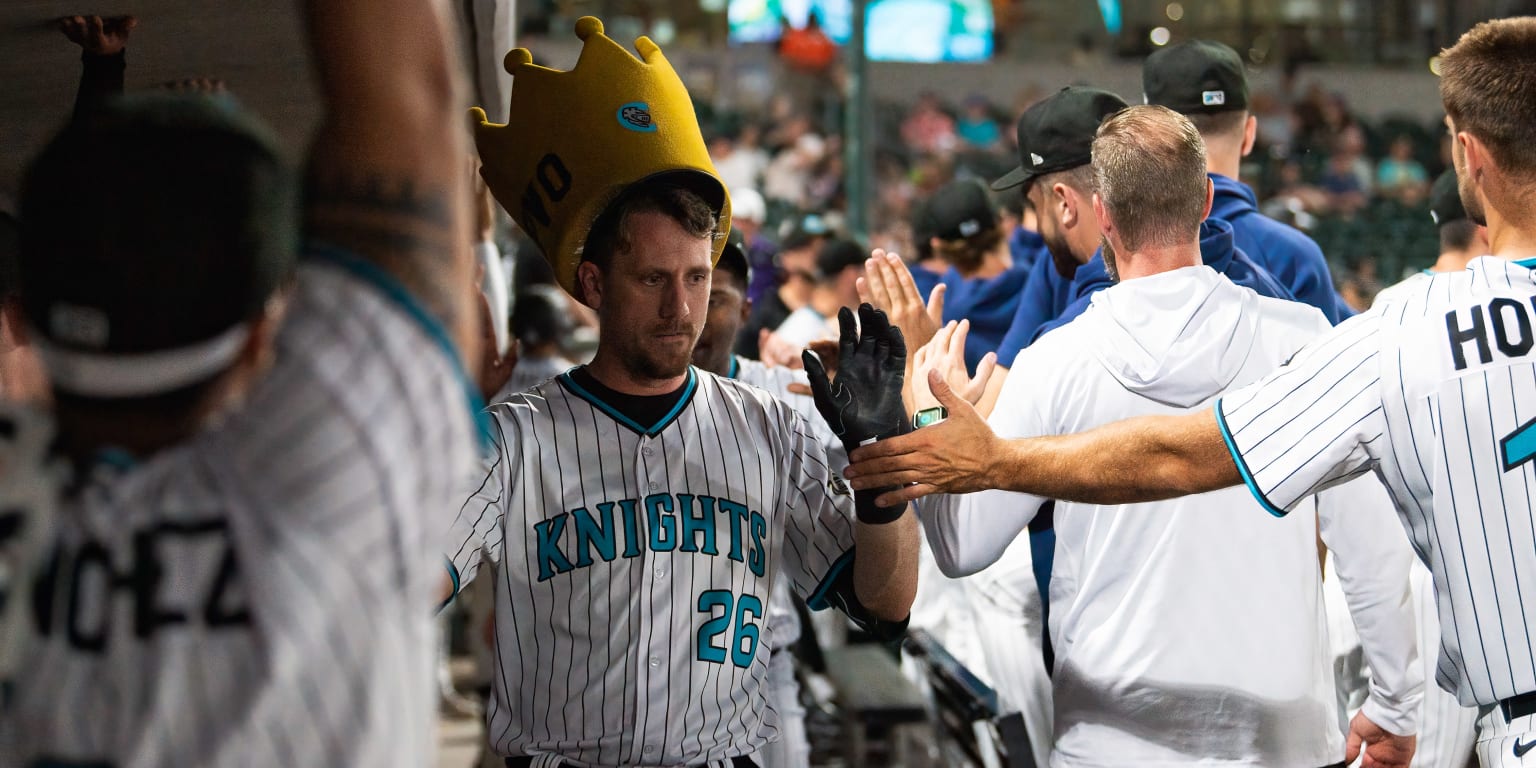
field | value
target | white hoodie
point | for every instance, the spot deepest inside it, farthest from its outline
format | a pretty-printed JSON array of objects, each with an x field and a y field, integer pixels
[{"x": 1189, "y": 630}]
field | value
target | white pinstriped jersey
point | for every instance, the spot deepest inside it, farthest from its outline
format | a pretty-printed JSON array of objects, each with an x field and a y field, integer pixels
[
  {"x": 782, "y": 618},
  {"x": 1435, "y": 392},
  {"x": 635, "y": 566},
  {"x": 262, "y": 594}
]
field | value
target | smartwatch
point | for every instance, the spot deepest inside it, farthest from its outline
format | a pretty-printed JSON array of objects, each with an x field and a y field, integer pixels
[{"x": 929, "y": 416}]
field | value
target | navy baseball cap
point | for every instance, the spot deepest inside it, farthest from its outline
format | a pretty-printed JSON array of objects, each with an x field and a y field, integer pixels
[
  {"x": 1445, "y": 200},
  {"x": 1199, "y": 76},
  {"x": 1056, "y": 134},
  {"x": 959, "y": 210}
]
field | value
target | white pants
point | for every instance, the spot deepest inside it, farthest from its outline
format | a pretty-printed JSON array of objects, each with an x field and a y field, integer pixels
[
  {"x": 1498, "y": 740},
  {"x": 792, "y": 750}
]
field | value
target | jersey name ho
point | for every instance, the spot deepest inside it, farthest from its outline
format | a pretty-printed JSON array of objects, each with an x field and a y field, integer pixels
[
  {"x": 1436, "y": 392},
  {"x": 636, "y": 563},
  {"x": 262, "y": 595}
]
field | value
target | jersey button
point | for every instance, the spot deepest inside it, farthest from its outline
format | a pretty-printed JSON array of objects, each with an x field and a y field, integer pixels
[
  {"x": 655, "y": 663},
  {"x": 650, "y": 749},
  {"x": 646, "y": 451},
  {"x": 661, "y": 570},
  {"x": 654, "y": 486}
]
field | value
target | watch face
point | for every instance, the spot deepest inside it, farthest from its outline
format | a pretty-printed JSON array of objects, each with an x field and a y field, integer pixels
[{"x": 929, "y": 416}]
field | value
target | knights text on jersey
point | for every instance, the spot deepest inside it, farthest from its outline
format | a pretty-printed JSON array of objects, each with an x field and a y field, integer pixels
[
  {"x": 636, "y": 564},
  {"x": 262, "y": 594},
  {"x": 1436, "y": 392}
]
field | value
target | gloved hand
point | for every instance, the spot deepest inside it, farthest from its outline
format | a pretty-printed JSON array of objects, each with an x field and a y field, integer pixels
[{"x": 864, "y": 403}]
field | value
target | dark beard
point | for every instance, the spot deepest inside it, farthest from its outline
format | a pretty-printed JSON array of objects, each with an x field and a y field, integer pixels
[
  {"x": 1061, "y": 255},
  {"x": 642, "y": 363}
]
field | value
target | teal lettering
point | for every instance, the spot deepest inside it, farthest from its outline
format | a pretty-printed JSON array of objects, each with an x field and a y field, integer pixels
[
  {"x": 702, "y": 523},
  {"x": 589, "y": 531},
  {"x": 551, "y": 559},
  {"x": 658, "y": 508},
  {"x": 738, "y": 513}
]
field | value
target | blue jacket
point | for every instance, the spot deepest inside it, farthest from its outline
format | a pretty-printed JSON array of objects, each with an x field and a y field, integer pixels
[
  {"x": 989, "y": 303},
  {"x": 1286, "y": 252},
  {"x": 925, "y": 279},
  {"x": 1217, "y": 250},
  {"x": 1026, "y": 247},
  {"x": 1046, "y": 293}
]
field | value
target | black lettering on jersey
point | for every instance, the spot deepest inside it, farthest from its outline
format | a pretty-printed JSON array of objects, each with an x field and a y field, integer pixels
[
  {"x": 1511, "y": 331},
  {"x": 165, "y": 580},
  {"x": 1477, "y": 332}
]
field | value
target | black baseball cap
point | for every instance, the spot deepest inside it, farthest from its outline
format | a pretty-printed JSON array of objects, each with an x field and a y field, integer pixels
[
  {"x": 1445, "y": 200},
  {"x": 838, "y": 255},
  {"x": 152, "y": 232},
  {"x": 1056, "y": 134},
  {"x": 1194, "y": 77},
  {"x": 734, "y": 258},
  {"x": 959, "y": 210}
]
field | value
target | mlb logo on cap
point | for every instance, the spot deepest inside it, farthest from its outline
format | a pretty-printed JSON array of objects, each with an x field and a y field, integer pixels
[
  {"x": 1213, "y": 98},
  {"x": 1036, "y": 159}
]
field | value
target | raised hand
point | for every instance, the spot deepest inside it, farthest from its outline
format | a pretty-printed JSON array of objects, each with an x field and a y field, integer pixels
[
  {"x": 98, "y": 36},
  {"x": 887, "y": 285},
  {"x": 946, "y": 354}
]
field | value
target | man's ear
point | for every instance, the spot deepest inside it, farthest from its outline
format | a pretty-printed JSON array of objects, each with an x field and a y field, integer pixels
[
  {"x": 1250, "y": 134},
  {"x": 589, "y": 278},
  {"x": 1064, "y": 202},
  {"x": 1105, "y": 225}
]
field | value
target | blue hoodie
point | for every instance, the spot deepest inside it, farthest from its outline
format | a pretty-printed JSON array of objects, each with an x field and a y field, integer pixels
[
  {"x": 1286, "y": 252},
  {"x": 989, "y": 303},
  {"x": 1025, "y": 247},
  {"x": 1046, "y": 293},
  {"x": 925, "y": 279},
  {"x": 1217, "y": 250}
]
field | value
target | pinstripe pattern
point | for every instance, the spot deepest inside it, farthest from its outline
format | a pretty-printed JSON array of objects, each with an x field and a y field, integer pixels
[
  {"x": 292, "y": 621},
  {"x": 1422, "y": 390},
  {"x": 600, "y": 662}
]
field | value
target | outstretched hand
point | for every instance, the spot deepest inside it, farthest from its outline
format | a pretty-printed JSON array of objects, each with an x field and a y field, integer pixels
[
  {"x": 946, "y": 354},
  {"x": 864, "y": 401},
  {"x": 1382, "y": 749},
  {"x": 949, "y": 457},
  {"x": 887, "y": 285},
  {"x": 98, "y": 36}
]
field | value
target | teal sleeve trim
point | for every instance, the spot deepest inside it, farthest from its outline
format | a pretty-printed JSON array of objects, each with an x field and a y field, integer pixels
[
  {"x": 391, "y": 288},
  {"x": 453, "y": 575},
  {"x": 818, "y": 601},
  {"x": 1242, "y": 466}
]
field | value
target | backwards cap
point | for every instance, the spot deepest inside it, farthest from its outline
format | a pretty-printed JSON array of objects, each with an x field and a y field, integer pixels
[{"x": 576, "y": 139}]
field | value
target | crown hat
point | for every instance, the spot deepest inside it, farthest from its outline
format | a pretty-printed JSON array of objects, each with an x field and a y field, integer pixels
[{"x": 575, "y": 140}]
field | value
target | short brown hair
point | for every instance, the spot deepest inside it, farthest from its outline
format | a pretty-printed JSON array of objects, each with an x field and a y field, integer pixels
[
  {"x": 967, "y": 253},
  {"x": 1229, "y": 123},
  {"x": 1149, "y": 169},
  {"x": 610, "y": 233},
  {"x": 1488, "y": 86}
]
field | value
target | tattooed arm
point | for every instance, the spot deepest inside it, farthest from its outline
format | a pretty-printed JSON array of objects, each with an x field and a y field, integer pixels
[{"x": 386, "y": 172}]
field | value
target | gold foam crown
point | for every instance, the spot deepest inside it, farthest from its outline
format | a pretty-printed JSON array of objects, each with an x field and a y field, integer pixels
[{"x": 575, "y": 140}]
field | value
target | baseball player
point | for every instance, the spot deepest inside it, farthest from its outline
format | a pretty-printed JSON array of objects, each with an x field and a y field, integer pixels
[
  {"x": 240, "y": 570},
  {"x": 1426, "y": 392},
  {"x": 640, "y": 510},
  {"x": 1162, "y": 654}
]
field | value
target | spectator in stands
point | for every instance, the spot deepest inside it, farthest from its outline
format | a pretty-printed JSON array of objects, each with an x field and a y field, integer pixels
[
  {"x": 928, "y": 128},
  {"x": 788, "y": 175},
  {"x": 748, "y": 212},
  {"x": 1347, "y": 177},
  {"x": 1276, "y": 124},
  {"x": 977, "y": 126},
  {"x": 1399, "y": 175},
  {"x": 1205, "y": 81},
  {"x": 807, "y": 49},
  {"x": 739, "y": 164}
]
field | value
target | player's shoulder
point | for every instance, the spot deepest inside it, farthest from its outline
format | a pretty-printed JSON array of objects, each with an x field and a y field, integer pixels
[
  {"x": 1286, "y": 316},
  {"x": 758, "y": 405}
]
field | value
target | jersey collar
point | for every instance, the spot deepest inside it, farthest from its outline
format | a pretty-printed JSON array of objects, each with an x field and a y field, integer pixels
[{"x": 689, "y": 388}]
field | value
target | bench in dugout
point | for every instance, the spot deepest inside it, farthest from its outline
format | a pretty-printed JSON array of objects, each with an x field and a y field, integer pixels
[{"x": 969, "y": 730}]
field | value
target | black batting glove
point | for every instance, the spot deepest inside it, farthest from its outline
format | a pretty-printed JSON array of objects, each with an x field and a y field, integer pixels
[{"x": 863, "y": 402}]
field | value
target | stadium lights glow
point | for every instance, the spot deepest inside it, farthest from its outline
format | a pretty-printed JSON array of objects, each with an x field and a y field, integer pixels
[
  {"x": 1160, "y": 36},
  {"x": 1175, "y": 11}
]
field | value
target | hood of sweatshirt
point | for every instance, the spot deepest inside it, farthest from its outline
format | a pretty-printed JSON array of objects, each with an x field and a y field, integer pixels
[{"x": 1178, "y": 337}]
